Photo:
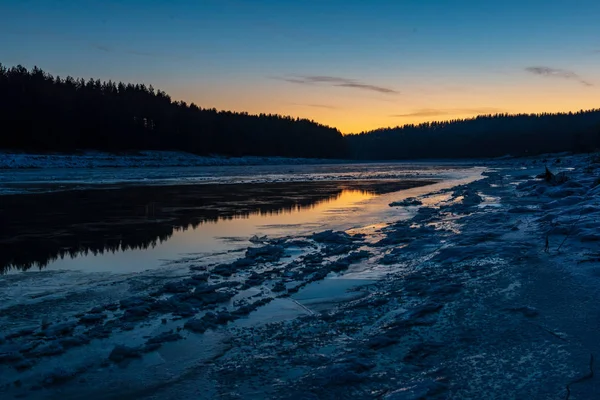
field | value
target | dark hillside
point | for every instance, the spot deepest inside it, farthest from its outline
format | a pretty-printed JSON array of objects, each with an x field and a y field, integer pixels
[
  {"x": 482, "y": 136},
  {"x": 39, "y": 112}
]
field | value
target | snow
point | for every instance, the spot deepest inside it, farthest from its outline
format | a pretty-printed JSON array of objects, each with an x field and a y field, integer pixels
[
  {"x": 472, "y": 302},
  {"x": 13, "y": 160},
  {"x": 53, "y": 178}
]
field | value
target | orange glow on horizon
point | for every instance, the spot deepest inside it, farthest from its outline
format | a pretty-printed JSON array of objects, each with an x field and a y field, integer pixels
[{"x": 354, "y": 111}]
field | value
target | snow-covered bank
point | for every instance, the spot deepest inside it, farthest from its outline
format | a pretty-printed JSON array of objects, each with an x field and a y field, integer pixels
[
  {"x": 11, "y": 160},
  {"x": 488, "y": 290},
  {"x": 15, "y": 181}
]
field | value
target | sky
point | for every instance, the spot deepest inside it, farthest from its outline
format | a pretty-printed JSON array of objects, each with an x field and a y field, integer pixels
[{"x": 355, "y": 65}]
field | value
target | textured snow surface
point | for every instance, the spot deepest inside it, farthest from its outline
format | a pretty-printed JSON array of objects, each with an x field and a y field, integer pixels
[
  {"x": 31, "y": 180},
  {"x": 489, "y": 290},
  {"x": 10, "y": 160}
]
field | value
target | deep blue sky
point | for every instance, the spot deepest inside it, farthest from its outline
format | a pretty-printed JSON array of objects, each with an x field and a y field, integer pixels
[{"x": 351, "y": 64}]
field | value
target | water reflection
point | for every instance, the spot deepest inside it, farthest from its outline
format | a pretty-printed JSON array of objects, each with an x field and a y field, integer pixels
[{"x": 40, "y": 229}]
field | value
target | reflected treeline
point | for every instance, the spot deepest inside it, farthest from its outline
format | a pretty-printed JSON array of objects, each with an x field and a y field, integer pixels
[{"x": 38, "y": 229}]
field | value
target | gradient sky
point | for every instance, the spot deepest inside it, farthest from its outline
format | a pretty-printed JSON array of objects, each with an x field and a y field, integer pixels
[{"x": 353, "y": 64}]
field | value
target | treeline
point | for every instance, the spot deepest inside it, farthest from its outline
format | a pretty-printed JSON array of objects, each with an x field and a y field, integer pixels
[
  {"x": 482, "y": 136},
  {"x": 39, "y": 112}
]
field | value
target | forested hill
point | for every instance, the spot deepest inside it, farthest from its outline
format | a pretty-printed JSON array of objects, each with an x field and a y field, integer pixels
[
  {"x": 39, "y": 112},
  {"x": 482, "y": 136}
]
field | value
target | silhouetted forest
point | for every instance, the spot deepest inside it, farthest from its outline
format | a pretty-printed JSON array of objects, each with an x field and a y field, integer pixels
[
  {"x": 482, "y": 136},
  {"x": 47, "y": 113}
]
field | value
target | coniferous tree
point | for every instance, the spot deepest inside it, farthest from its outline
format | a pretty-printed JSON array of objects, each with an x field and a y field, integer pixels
[
  {"x": 42, "y": 113},
  {"x": 482, "y": 136}
]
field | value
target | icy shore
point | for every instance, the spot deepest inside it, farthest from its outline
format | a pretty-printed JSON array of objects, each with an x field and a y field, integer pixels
[
  {"x": 11, "y": 160},
  {"x": 490, "y": 290}
]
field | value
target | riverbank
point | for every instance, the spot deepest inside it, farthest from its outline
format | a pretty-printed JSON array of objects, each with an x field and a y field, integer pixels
[
  {"x": 139, "y": 159},
  {"x": 43, "y": 229},
  {"x": 486, "y": 290}
]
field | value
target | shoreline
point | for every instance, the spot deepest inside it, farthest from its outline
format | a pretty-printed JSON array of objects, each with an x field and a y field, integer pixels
[
  {"x": 93, "y": 159},
  {"x": 37, "y": 181},
  {"x": 463, "y": 300},
  {"x": 140, "y": 159},
  {"x": 137, "y": 216}
]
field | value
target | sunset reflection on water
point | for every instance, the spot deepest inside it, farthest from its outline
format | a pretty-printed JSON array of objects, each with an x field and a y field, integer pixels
[{"x": 229, "y": 231}]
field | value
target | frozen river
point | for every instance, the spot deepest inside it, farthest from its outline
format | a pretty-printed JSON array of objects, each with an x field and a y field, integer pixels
[
  {"x": 131, "y": 220},
  {"x": 14, "y": 181},
  {"x": 291, "y": 282}
]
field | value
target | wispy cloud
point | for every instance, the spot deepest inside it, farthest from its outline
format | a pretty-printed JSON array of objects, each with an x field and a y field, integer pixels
[
  {"x": 108, "y": 49},
  {"x": 102, "y": 48},
  {"x": 337, "y": 82},
  {"x": 142, "y": 53},
  {"x": 558, "y": 73},
  {"x": 314, "y": 106},
  {"x": 434, "y": 112}
]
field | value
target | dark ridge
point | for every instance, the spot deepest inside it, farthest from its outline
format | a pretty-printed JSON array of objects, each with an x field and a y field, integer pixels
[
  {"x": 52, "y": 114},
  {"x": 40, "y": 112},
  {"x": 482, "y": 136}
]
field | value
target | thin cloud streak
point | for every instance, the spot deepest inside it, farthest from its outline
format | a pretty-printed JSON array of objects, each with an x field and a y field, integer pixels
[
  {"x": 557, "y": 73},
  {"x": 338, "y": 82},
  {"x": 108, "y": 49},
  {"x": 433, "y": 112},
  {"x": 325, "y": 106},
  {"x": 142, "y": 53},
  {"x": 102, "y": 48}
]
